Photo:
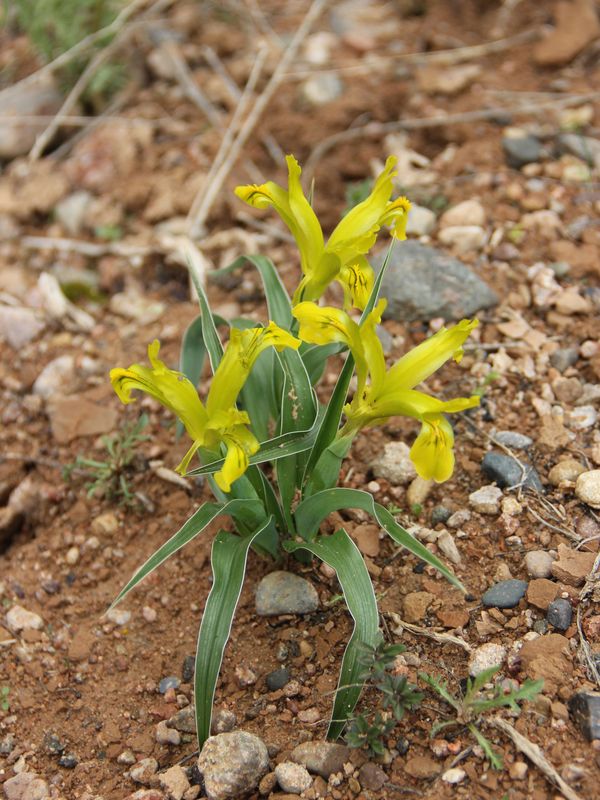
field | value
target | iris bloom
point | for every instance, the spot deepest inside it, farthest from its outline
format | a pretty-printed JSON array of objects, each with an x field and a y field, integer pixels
[
  {"x": 342, "y": 258},
  {"x": 219, "y": 421},
  {"x": 385, "y": 393}
]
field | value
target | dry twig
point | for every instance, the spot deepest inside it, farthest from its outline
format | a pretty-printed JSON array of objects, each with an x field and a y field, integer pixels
[
  {"x": 442, "y": 638},
  {"x": 534, "y": 753},
  {"x": 92, "y": 249}
]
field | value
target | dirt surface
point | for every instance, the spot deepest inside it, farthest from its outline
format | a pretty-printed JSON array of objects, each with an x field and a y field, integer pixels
[{"x": 84, "y": 686}]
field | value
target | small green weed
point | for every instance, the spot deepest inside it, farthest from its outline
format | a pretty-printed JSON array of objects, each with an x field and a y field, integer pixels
[
  {"x": 357, "y": 192},
  {"x": 489, "y": 379},
  {"x": 397, "y": 696},
  {"x": 4, "y": 698},
  {"x": 110, "y": 478},
  {"x": 477, "y": 701}
]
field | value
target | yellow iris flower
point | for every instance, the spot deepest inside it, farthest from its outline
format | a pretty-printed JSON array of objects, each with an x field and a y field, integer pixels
[
  {"x": 342, "y": 258},
  {"x": 219, "y": 422},
  {"x": 385, "y": 393}
]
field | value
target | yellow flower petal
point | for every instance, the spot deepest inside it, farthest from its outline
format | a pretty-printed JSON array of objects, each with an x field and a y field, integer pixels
[
  {"x": 242, "y": 350},
  {"x": 357, "y": 281},
  {"x": 422, "y": 361},
  {"x": 396, "y": 215},
  {"x": 241, "y": 444},
  {"x": 432, "y": 452},
  {"x": 171, "y": 388}
]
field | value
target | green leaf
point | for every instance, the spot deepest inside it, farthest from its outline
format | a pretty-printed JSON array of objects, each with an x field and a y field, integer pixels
[
  {"x": 278, "y": 300},
  {"x": 209, "y": 329},
  {"x": 340, "y": 552},
  {"x": 326, "y": 471},
  {"x": 315, "y": 357},
  {"x": 298, "y": 412},
  {"x": 228, "y": 560},
  {"x": 249, "y": 512},
  {"x": 331, "y": 420},
  {"x": 313, "y": 510}
]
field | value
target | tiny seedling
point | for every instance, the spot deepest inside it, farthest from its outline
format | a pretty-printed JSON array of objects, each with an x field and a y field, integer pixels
[
  {"x": 397, "y": 696},
  {"x": 111, "y": 477},
  {"x": 4, "y": 698},
  {"x": 477, "y": 701},
  {"x": 489, "y": 379}
]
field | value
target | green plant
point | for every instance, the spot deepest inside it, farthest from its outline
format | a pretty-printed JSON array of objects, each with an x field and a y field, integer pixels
[
  {"x": 55, "y": 26},
  {"x": 489, "y": 379},
  {"x": 357, "y": 192},
  {"x": 476, "y": 701},
  {"x": 278, "y": 489},
  {"x": 110, "y": 478},
  {"x": 4, "y": 698},
  {"x": 396, "y": 697}
]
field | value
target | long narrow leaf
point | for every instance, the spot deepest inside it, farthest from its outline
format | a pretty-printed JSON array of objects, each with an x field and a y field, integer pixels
[
  {"x": 209, "y": 330},
  {"x": 250, "y": 512},
  {"x": 228, "y": 560},
  {"x": 313, "y": 510},
  {"x": 288, "y": 444},
  {"x": 331, "y": 421},
  {"x": 340, "y": 552},
  {"x": 315, "y": 357}
]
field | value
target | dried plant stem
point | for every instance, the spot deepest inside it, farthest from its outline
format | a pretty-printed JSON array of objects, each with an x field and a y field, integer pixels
[
  {"x": 92, "y": 249},
  {"x": 534, "y": 753},
  {"x": 448, "y": 57},
  {"x": 442, "y": 638},
  {"x": 201, "y": 206},
  {"x": 375, "y": 130}
]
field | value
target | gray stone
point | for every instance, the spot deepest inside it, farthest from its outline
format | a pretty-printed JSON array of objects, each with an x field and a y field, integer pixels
[
  {"x": 188, "y": 668},
  {"x": 321, "y": 758},
  {"x": 505, "y": 594},
  {"x": 285, "y": 593},
  {"x": 440, "y": 514},
  {"x": 19, "y": 104},
  {"x": 184, "y": 720},
  {"x": 584, "y": 710},
  {"x": 371, "y": 777},
  {"x": 68, "y": 761},
  {"x": 486, "y": 656},
  {"x": 144, "y": 771},
  {"x": 293, "y": 777},
  {"x": 170, "y": 682},
  {"x": 26, "y": 786},
  {"x": 277, "y": 679},
  {"x": 223, "y": 721},
  {"x": 19, "y": 619},
  {"x": 514, "y": 440},
  {"x": 538, "y": 564},
  {"x": 422, "y": 282},
  {"x": 394, "y": 464},
  {"x": 521, "y": 150},
  {"x": 507, "y": 473},
  {"x": 486, "y": 500},
  {"x": 19, "y": 325},
  {"x": 584, "y": 147},
  {"x": 232, "y": 764},
  {"x": 560, "y": 614},
  {"x": 322, "y": 89},
  {"x": 56, "y": 378},
  {"x": 421, "y": 221}
]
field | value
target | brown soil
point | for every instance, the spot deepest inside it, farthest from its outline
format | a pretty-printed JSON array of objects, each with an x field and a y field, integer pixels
[{"x": 94, "y": 684}]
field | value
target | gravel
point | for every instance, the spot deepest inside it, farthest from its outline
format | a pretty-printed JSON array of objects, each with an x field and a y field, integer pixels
[
  {"x": 285, "y": 593},
  {"x": 538, "y": 564},
  {"x": 560, "y": 614},
  {"x": 422, "y": 283},
  {"x": 584, "y": 710},
  {"x": 507, "y": 473},
  {"x": 232, "y": 764},
  {"x": 505, "y": 594}
]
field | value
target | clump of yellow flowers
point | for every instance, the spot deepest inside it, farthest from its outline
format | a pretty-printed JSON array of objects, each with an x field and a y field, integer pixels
[
  {"x": 272, "y": 452},
  {"x": 381, "y": 393}
]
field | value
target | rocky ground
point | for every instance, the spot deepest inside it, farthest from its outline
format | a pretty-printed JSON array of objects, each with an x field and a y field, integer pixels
[{"x": 504, "y": 180}]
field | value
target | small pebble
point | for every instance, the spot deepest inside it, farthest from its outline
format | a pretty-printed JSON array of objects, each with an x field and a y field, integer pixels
[
  {"x": 72, "y": 556},
  {"x": 538, "y": 564},
  {"x": 188, "y": 668},
  {"x": 454, "y": 775},
  {"x": 277, "y": 679},
  {"x": 563, "y": 358},
  {"x": 285, "y": 593},
  {"x": 565, "y": 471},
  {"x": 118, "y": 616},
  {"x": 170, "y": 682},
  {"x": 584, "y": 710},
  {"x": 165, "y": 735},
  {"x": 486, "y": 656},
  {"x": 19, "y": 619},
  {"x": 486, "y": 500},
  {"x": 521, "y": 150},
  {"x": 507, "y": 472},
  {"x": 560, "y": 614},
  {"x": 506, "y": 594},
  {"x": 149, "y": 614},
  {"x": 518, "y": 771},
  {"x": 514, "y": 440},
  {"x": 68, "y": 761},
  {"x": 440, "y": 514},
  {"x": 587, "y": 488},
  {"x": 394, "y": 464},
  {"x": 293, "y": 777}
]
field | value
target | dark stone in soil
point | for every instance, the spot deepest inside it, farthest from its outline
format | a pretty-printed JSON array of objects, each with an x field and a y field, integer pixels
[
  {"x": 563, "y": 358},
  {"x": 517, "y": 441},
  {"x": 68, "y": 762},
  {"x": 170, "y": 682},
  {"x": 541, "y": 626},
  {"x": 402, "y": 746},
  {"x": 53, "y": 745},
  {"x": 560, "y": 614},
  {"x": 440, "y": 514},
  {"x": 505, "y": 594},
  {"x": 584, "y": 709},
  {"x": 371, "y": 777},
  {"x": 422, "y": 282},
  {"x": 521, "y": 150},
  {"x": 188, "y": 668},
  {"x": 506, "y": 472},
  {"x": 277, "y": 679}
]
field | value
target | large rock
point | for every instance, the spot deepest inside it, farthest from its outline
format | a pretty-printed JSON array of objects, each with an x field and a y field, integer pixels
[
  {"x": 232, "y": 764},
  {"x": 422, "y": 282}
]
